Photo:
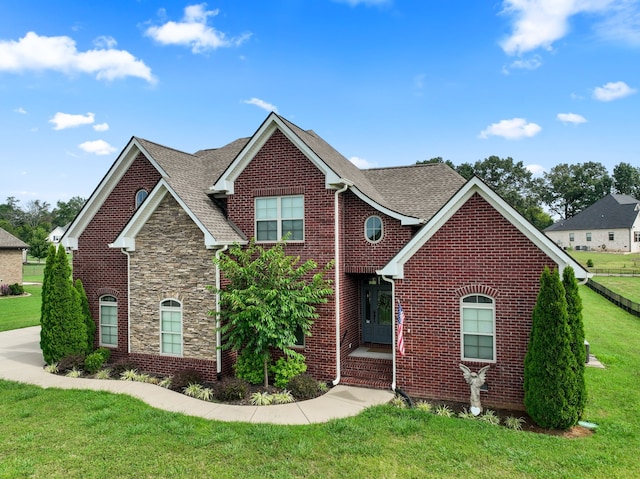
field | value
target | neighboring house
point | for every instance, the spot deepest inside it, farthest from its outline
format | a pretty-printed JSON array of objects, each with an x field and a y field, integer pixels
[
  {"x": 463, "y": 264},
  {"x": 56, "y": 235},
  {"x": 610, "y": 224},
  {"x": 11, "y": 257}
]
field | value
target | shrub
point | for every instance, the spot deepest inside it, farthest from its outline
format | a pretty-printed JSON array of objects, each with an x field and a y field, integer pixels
[
  {"x": 303, "y": 386},
  {"x": 250, "y": 367},
  {"x": 444, "y": 411},
  {"x": 514, "y": 423},
  {"x": 184, "y": 378},
  {"x": 94, "y": 361},
  {"x": 589, "y": 263},
  {"x": 231, "y": 389},
  {"x": 104, "y": 374},
  {"x": 74, "y": 373},
  {"x": 491, "y": 417},
  {"x": 16, "y": 289},
  {"x": 5, "y": 290},
  {"x": 286, "y": 368},
  {"x": 283, "y": 397},
  {"x": 424, "y": 406},
  {"x": 129, "y": 375},
  {"x": 73, "y": 361},
  {"x": 121, "y": 366},
  {"x": 398, "y": 402},
  {"x": 193, "y": 390},
  {"x": 261, "y": 398},
  {"x": 576, "y": 337},
  {"x": 52, "y": 368}
]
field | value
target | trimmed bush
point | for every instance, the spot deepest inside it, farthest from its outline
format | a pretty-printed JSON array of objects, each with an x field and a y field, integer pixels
[
  {"x": 550, "y": 383},
  {"x": 121, "y": 366},
  {"x": 184, "y": 378},
  {"x": 304, "y": 386},
  {"x": 231, "y": 389},
  {"x": 250, "y": 367},
  {"x": 94, "y": 361},
  {"x": 286, "y": 368},
  {"x": 576, "y": 329},
  {"x": 16, "y": 289}
]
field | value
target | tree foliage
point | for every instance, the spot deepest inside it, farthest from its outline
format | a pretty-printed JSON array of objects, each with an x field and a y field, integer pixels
[
  {"x": 86, "y": 314},
  {"x": 63, "y": 331},
  {"x": 626, "y": 179},
  {"x": 268, "y": 297},
  {"x": 38, "y": 244},
  {"x": 550, "y": 381}
]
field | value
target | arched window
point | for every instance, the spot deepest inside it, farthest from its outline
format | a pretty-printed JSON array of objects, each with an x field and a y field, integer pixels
[
  {"x": 478, "y": 338},
  {"x": 108, "y": 321},
  {"x": 171, "y": 327},
  {"x": 373, "y": 229},
  {"x": 141, "y": 195}
]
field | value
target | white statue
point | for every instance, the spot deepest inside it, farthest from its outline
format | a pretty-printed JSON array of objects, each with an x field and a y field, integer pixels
[{"x": 475, "y": 381}]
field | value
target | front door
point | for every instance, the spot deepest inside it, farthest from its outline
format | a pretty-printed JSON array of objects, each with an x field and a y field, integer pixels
[{"x": 377, "y": 312}]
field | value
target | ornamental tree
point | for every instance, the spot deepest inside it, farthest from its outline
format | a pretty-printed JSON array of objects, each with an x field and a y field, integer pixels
[
  {"x": 86, "y": 314},
  {"x": 550, "y": 383},
  {"x": 268, "y": 297},
  {"x": 63, "y": 331},
  {"x": 576, "y": 330}
]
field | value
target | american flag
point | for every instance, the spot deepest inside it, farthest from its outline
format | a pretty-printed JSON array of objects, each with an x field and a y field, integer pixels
[{"x": 400, "y": 327}]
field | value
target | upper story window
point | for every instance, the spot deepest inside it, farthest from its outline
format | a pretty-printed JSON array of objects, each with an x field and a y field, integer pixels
[
  {"x": 278, "y": 216},
  {"x": 478, "y": 328},
  {"x": 140, "y": 197},
  {"x": 171, "y": 327},
  {"x": 572, "y": 237},
  {"x": 108, "y": 321},
  {"x": 588, "y": 236},
  {"x": 636, "y": 236},
  {"x": 373, "y": 229},
  {"x": 612, "y": 236}
]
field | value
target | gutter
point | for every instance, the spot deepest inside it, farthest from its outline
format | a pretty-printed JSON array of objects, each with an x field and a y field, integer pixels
[
  {"x": 218, "y": 333},
  {"x": 336, "y": 230},
  {"x": 393, "y": 331},
  {"x": 124, "y": 250}
]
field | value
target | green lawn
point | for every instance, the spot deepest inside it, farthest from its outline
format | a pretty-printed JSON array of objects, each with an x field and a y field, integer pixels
[
  {"x": 32, "y": 272},
  {"x": 607, "y": 260},
  {"x": 21, "y": 311},
  {"x": 87, "y": 434},
  {"x": 626, "y": 286}
]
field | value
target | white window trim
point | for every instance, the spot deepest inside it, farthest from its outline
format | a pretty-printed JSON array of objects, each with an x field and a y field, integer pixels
[
  {"x": 113, "y": 304},
  {"x": 492, "y": 307},
  {"x": 139, "y": 201},
  {"x": 172, "y": 308},
  {"x": 278, "y": 218},
  {"x": 366, "y": 236}
]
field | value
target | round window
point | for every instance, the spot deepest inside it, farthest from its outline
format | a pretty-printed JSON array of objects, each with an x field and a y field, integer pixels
[{"x": 373, "y": 229}]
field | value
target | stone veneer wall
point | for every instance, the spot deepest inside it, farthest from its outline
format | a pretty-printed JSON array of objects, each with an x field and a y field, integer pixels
[
  {"x": 10, "y": 266},
  {"x": 171, "y": 262}
]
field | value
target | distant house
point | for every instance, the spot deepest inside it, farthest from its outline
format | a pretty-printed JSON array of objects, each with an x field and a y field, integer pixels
[
  {"x": 56, "y": 235},
  {"x": 610, "y": 224},
  {"x": 11, "y": 254},
  {"x": 462, "y": 263}
]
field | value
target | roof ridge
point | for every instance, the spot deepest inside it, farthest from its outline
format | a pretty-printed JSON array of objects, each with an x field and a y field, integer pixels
[{"x": 163, "y": 146}]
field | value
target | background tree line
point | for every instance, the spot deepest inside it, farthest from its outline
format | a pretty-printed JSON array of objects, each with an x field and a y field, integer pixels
[
  {"x": 561, "y": 192},
  {"x": 33, "y": 222}
]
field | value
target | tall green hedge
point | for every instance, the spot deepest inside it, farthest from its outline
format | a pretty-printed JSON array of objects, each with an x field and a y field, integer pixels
[
  {"x": 576, "y": 328},
  {"x": 550, "y": 382},
  {"x": 86, "y": 315},
  {"x": 63, "y": 330}
]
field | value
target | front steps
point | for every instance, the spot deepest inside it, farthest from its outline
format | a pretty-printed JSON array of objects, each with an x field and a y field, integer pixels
[{"x": 368, "y": 372}]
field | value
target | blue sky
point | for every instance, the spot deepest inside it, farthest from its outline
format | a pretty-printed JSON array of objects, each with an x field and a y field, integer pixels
[{"x": 386, "y": 82}]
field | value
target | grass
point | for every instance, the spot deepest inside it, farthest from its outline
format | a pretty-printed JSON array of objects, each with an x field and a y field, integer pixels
[
  {"x": 33, "y": 272},
  {"x": 90, "y": 434},
  {"x": 21, "y": 311},
  {"x": 626, "y": 286},
  {"x": 607, "y": 260}
]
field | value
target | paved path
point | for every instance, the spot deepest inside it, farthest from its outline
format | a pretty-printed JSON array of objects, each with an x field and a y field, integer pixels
[{"x": 21, "y": 360}]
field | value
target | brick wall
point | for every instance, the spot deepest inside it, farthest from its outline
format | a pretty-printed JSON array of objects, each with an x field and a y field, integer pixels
[
  {"x": 10, "y": 266},
  {"x": 104, "y": 270},
  {"x": 476, "y": 251}
]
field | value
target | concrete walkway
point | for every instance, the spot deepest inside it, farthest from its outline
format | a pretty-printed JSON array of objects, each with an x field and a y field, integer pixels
[{"x": 21, "y": 360}]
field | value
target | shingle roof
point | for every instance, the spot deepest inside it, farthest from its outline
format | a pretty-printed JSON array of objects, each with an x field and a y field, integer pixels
[
  {"x": 8, "y": 241},
  {"x": 611, "y": 212},
  {"x": 190, "y": 175}
]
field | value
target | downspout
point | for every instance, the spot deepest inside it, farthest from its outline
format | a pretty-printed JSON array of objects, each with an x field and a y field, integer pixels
[
  {"x": 336, "y": 227},
  {"x": 218, "y": 334},
  {"x": 393, "y": 330},
  {"x": 124, "y": 250}
]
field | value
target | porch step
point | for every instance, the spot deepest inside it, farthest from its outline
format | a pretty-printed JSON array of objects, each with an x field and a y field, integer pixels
[{"x": 372, "y": 373}]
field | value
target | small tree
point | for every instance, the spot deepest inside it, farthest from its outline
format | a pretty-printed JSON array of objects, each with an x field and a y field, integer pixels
[
  {"x": 268, "y": 298},
  {"x": 63, "y": 331},
  {"x": 576, "y": 329},
  {"x": 549, "y": 367},
  {"x": 86, "y": 315}
]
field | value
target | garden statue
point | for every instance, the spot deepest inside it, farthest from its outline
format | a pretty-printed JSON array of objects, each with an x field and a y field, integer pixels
[{"x": 475, "y": 381}]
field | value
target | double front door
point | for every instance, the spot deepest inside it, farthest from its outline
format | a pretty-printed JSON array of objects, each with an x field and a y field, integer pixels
[{"x": 377, "y": 312}]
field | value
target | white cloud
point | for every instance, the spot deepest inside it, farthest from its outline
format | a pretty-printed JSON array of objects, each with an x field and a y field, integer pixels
[
  {"x": 612, "y": 91},
  {"x": 571, "y": 118},
  {"x": 539, "y": 23},
  {"x": 261, "y": 104},
  {"x": 368, "y": 3},
  {"x": 34, "y": 52},
  {"x": 65, "y": 120},
  {"x": 513, "y": 129},
  {"x": 193, "y": 31},
  {"x": 105, "y": 42},
  {"x": 20, "y": 110},
  {"x": 536, "y": 169},
  {"x": 101, "y": 127},
  {"x": 361, "y": 162},
  {"x": 97, "y": 147},
  {"x": 532, "y": 63},
  {"x": 623, "y": 23}
]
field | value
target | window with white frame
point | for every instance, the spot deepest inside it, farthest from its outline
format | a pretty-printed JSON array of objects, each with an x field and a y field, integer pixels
[
  {"x": 611, "y": 235},
  {"x": 478, "y": 328},
  {"x": 171, "y": 327},
  {"x": 278, "y": 216},
  {"x": 572, "y": 237},
  {"x": 636, "y": 236},
  {"x": 141, "y": 195},
  {"x": 108, "y": 321},
  {"x": 588, "y": 236},
  {"x": 373, "y": 229}
]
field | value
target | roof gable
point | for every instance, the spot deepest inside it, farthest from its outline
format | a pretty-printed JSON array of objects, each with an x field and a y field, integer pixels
[
  {"x": 8, "y": 241},
  {"x": 395, "y": 267},
  {"x": 611, "y": 212}
]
